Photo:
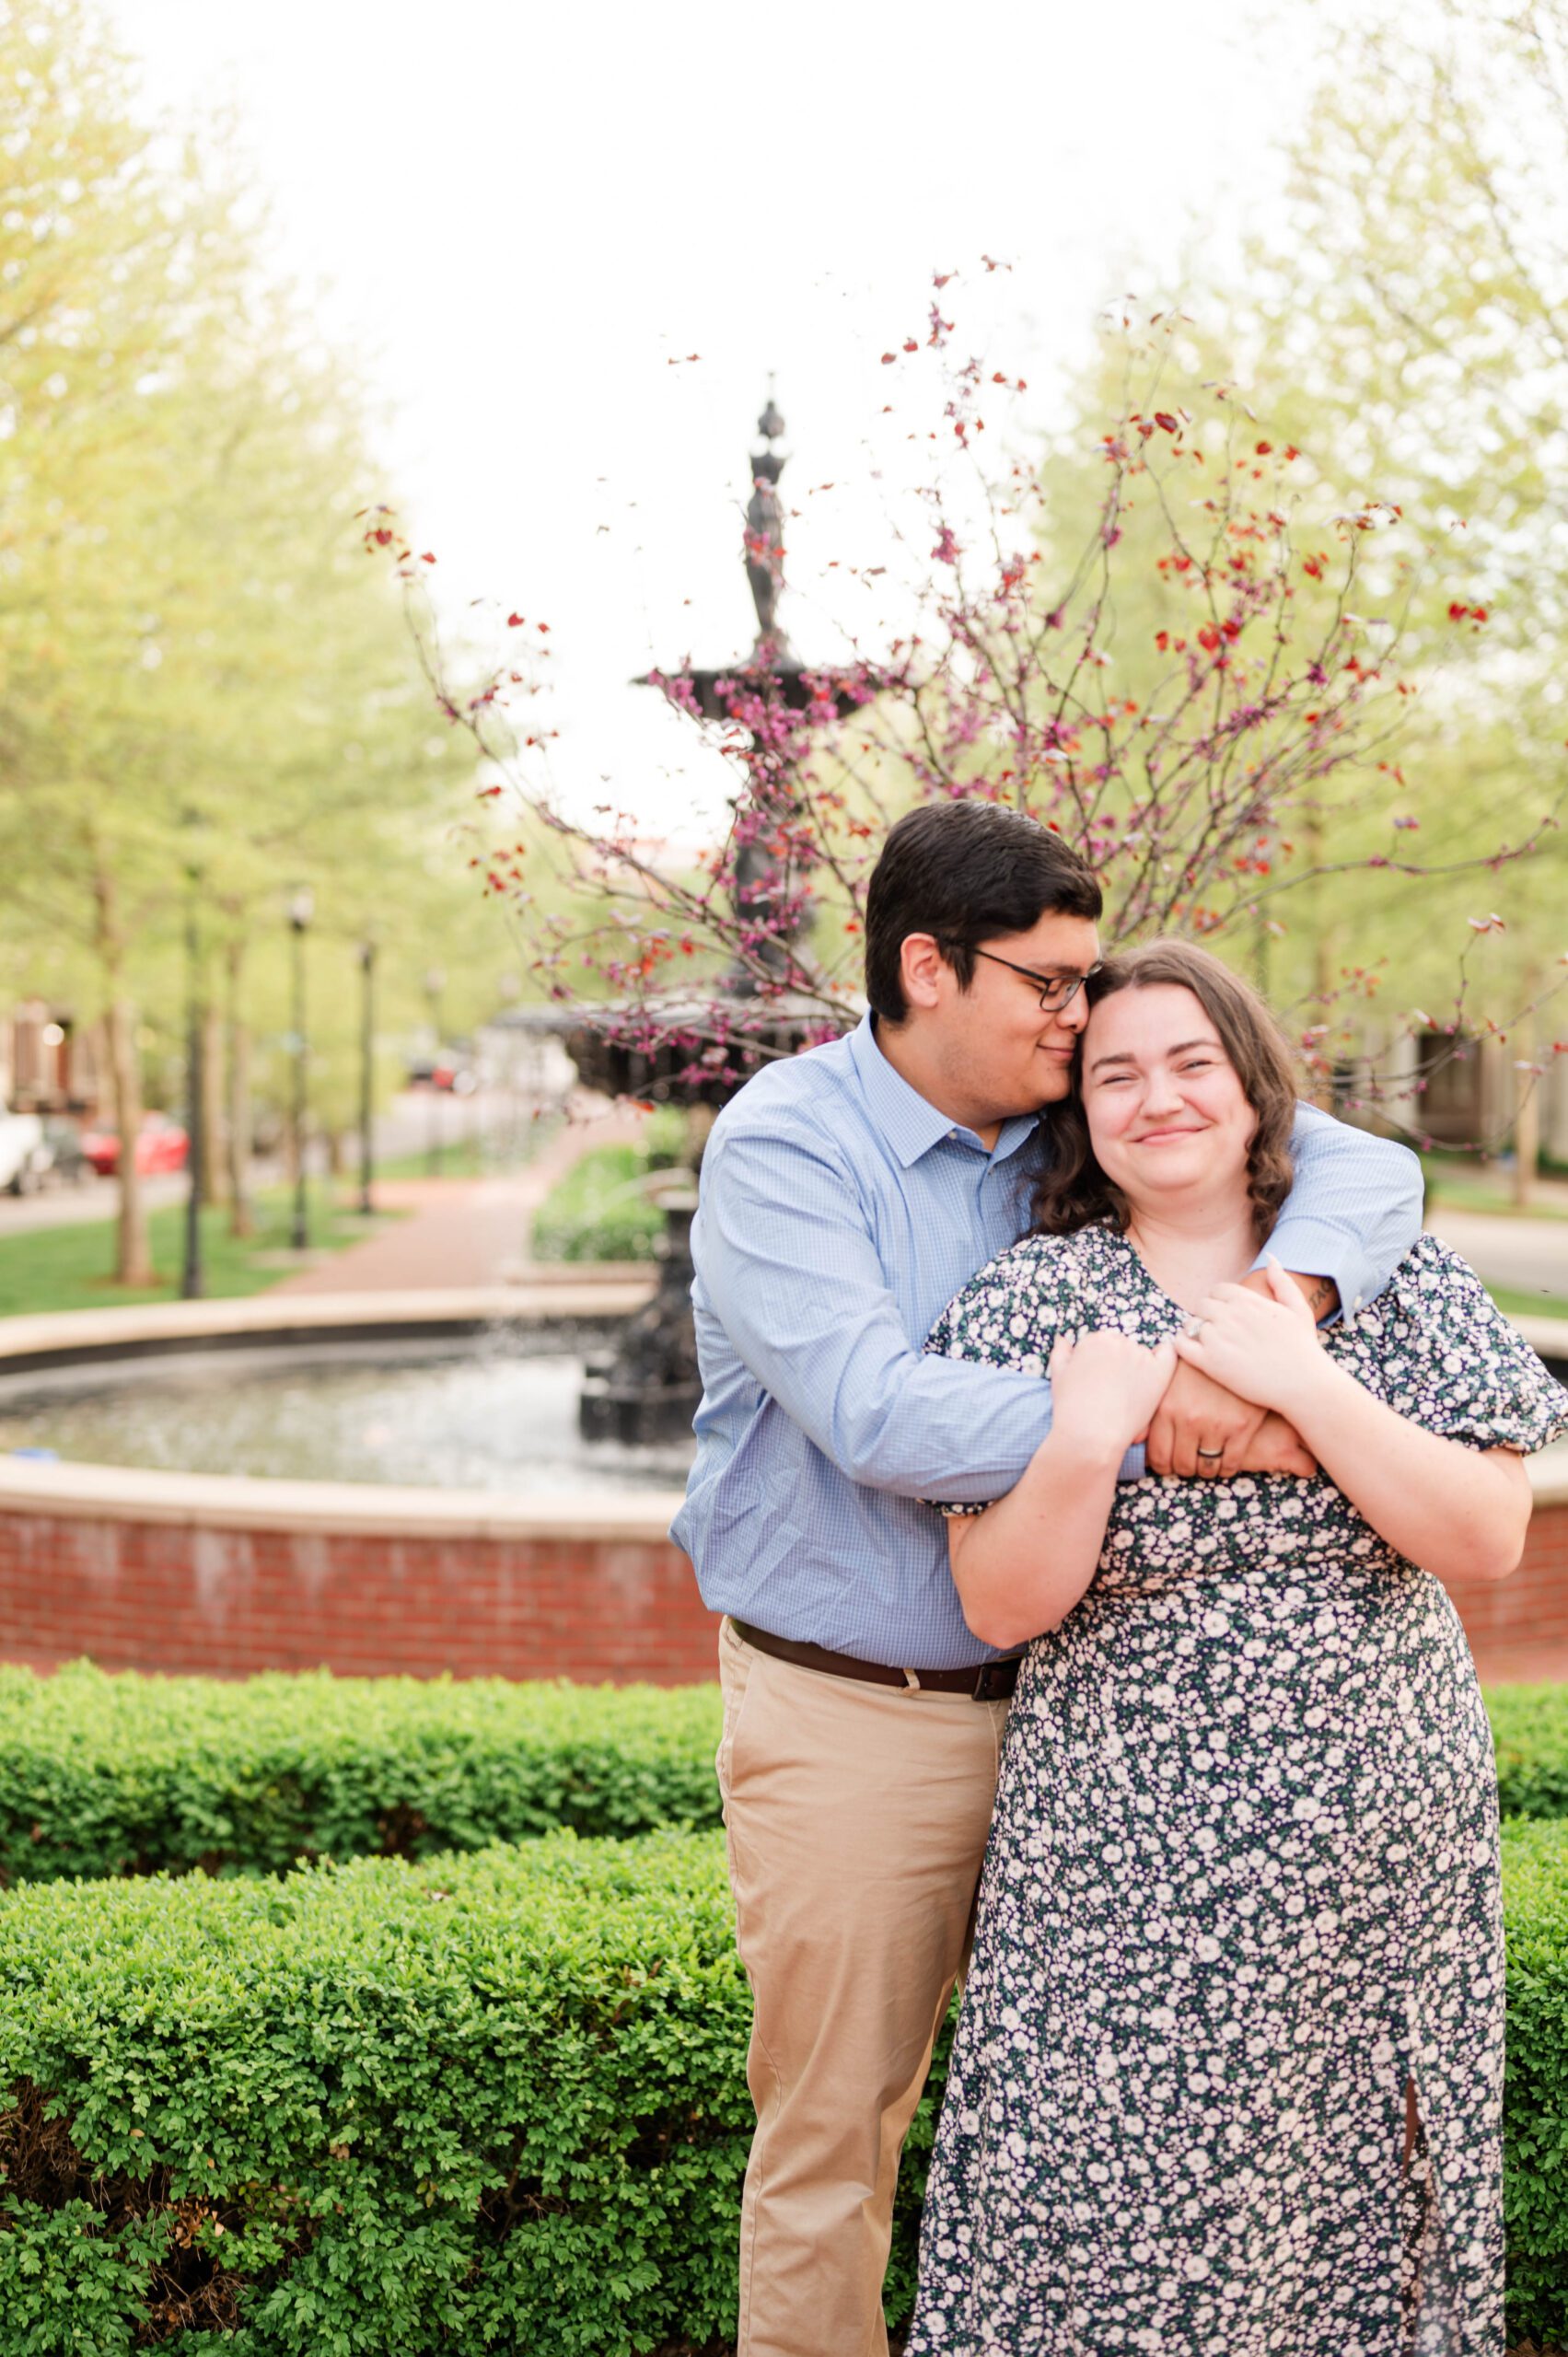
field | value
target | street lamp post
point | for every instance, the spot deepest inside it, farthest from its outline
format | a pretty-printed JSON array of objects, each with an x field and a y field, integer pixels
[
  {"x": 192, "y": 1277},
  {"x": 301, "y": 909},
  {"x": 434, "y": 983},
  {"x": 366, "y": 1071}
]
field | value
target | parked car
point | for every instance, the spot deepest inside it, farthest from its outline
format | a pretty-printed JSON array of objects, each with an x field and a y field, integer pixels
[
  {"x": 446, "y": 1071},
  {"x": 24, "y": 1155},
  {"x": 161, "y": 1144}
]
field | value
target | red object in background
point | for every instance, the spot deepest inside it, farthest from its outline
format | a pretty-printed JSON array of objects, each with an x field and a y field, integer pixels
[{"x": 161, "y": 1144}]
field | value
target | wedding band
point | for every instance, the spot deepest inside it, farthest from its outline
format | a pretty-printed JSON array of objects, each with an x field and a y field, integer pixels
[
  {"x": 1194, "y": 1327},
  {"x": 1209, "y": 1452}
]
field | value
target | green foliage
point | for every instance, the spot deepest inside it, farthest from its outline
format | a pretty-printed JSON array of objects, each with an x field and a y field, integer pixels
[
  {"x": 72, "y": 1265},
  {"x": 201, "y": 676},
  {"x": 1530, "y": 1727},
  {"x": 1388, "y": 321},
  {"x": 110, "y": 1773},
  {"x": 603, "y": 1208},
  {"x": 1535, "y": 1865},
  {"x": 491, "y": 2101},
  {"x": 500, "y": 2101},
  {"x": 105, "y": 1774}
]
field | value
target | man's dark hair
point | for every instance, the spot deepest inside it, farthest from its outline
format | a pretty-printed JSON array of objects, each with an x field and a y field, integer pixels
[{"x": 966, "y": 873}]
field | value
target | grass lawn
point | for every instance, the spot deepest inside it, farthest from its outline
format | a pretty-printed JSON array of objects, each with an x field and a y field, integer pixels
[
  {"x": 1466, "y": 1185},
  {"x": 460, "y": 1158},
  {"x": 72, "y": 1267},
  {"x": 1529, "y": 1305}
]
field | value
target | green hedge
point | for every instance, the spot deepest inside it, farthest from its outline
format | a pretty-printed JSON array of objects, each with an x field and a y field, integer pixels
[
  {"x": 496, "y": 2101},
  {"x": 105, "y": 1774},
  {"x": 597, "y": 1210},
  {"x": 1535, "y": 1891},
  {"x": 1529, "y": 1726},
  {"x": 492, "y": 2102}
]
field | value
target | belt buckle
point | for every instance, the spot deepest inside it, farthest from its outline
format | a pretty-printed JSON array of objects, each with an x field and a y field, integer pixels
[{"x": 988, "y": 1687}]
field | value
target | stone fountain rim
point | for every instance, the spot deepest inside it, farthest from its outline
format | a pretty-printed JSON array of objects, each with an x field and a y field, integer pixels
[
  {"x": 120, "y": 1494},
  {"x": 134, "y": 1493}
]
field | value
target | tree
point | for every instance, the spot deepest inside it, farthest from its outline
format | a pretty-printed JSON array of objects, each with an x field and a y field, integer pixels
[
  {"x": 203, "y": 688},
  {"x": 1180, "y": 693},
  {"x": 1408, "y": 327}
]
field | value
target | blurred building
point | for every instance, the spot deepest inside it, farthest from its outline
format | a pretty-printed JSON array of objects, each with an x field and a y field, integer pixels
[{"x": 50, "y": 1061}]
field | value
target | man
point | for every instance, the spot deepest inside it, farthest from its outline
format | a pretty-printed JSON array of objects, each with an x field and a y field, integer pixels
[{"x": 846, "y": 1196}]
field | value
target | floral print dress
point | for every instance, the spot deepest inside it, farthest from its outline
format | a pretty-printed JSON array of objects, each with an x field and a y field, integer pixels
[{"x": 1242, "y": 1886}]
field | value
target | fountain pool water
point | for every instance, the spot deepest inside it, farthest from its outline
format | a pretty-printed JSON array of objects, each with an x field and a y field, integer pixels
[{"x": 481, "y": 1415}]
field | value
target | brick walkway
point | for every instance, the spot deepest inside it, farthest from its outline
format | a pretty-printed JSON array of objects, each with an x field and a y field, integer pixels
[{"x": 458, "y": 1231}]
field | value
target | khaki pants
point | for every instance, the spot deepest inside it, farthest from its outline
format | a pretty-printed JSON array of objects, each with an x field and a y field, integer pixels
[{"x": 856, "y": 1818}]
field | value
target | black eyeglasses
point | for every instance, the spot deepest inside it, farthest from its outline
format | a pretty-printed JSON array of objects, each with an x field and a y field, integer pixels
[{"x": 1056, "y": 991}]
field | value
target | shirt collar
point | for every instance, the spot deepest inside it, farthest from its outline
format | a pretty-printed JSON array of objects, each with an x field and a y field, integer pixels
[{"x": 909, "y": 1121}]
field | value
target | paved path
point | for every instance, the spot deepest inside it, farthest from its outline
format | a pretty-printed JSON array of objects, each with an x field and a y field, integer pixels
[
  {"x": 77, "y": 1206},
  {"x": 458, "y": 1231}
]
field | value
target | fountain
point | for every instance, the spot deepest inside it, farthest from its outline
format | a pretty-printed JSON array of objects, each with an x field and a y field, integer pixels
[
  {"x": 647, "y": 1389},
  {"x": 410, "y": 1482}
]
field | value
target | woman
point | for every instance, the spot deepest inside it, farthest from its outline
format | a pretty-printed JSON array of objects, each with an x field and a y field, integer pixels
[{"x": 1228, "y": 2071}]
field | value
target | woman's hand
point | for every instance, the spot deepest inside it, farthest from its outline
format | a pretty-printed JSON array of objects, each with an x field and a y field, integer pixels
[
  {"x": 1265, "y": 1347},
  {"x": 1105, "y": 1387}
]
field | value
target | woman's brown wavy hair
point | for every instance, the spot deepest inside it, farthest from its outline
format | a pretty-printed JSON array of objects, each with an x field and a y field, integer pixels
[{"x": 1075, "y": 1190}]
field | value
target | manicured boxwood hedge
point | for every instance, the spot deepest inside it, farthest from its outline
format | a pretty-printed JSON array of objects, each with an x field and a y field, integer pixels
[
  {"x": 1535, "y": 1893},
  {"x": 491, "y": 2102},
  {"x": 124, "y": 1774},
  {"x": 1530, "y": 1727},
  {"x": 495, "y": 2101}
]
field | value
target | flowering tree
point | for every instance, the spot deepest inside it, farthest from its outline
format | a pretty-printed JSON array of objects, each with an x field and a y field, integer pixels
[{"x": 1204, "y": 696}]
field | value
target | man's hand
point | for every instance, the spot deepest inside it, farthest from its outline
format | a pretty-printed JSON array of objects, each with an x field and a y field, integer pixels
[
  {"x": 1205, "y": 1415},
  {"x": 1278, "y": 1447},
  {"x": 1195, "y": 1421},
  {"x": 1202, "y": 1429}
]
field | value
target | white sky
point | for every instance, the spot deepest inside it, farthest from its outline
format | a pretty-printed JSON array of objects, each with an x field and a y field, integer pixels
[{"x": 519, "y": 216}]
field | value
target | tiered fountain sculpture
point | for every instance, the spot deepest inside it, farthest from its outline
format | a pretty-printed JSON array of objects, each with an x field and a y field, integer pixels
[{"x": 649, "y": 1389}]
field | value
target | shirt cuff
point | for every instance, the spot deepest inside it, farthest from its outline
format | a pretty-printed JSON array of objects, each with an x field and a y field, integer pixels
[{"x": 1309, "y": 1249}]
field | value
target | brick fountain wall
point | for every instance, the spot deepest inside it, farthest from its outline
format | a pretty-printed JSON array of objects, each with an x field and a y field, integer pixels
[{"x": 162, "y": 1572}]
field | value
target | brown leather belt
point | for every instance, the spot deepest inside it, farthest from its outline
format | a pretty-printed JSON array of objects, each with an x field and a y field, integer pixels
[{"x": 989, "y": 1681}]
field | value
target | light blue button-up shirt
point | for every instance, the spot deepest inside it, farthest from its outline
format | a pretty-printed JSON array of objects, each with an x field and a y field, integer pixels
[{"x": 840, "y": 1212}]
